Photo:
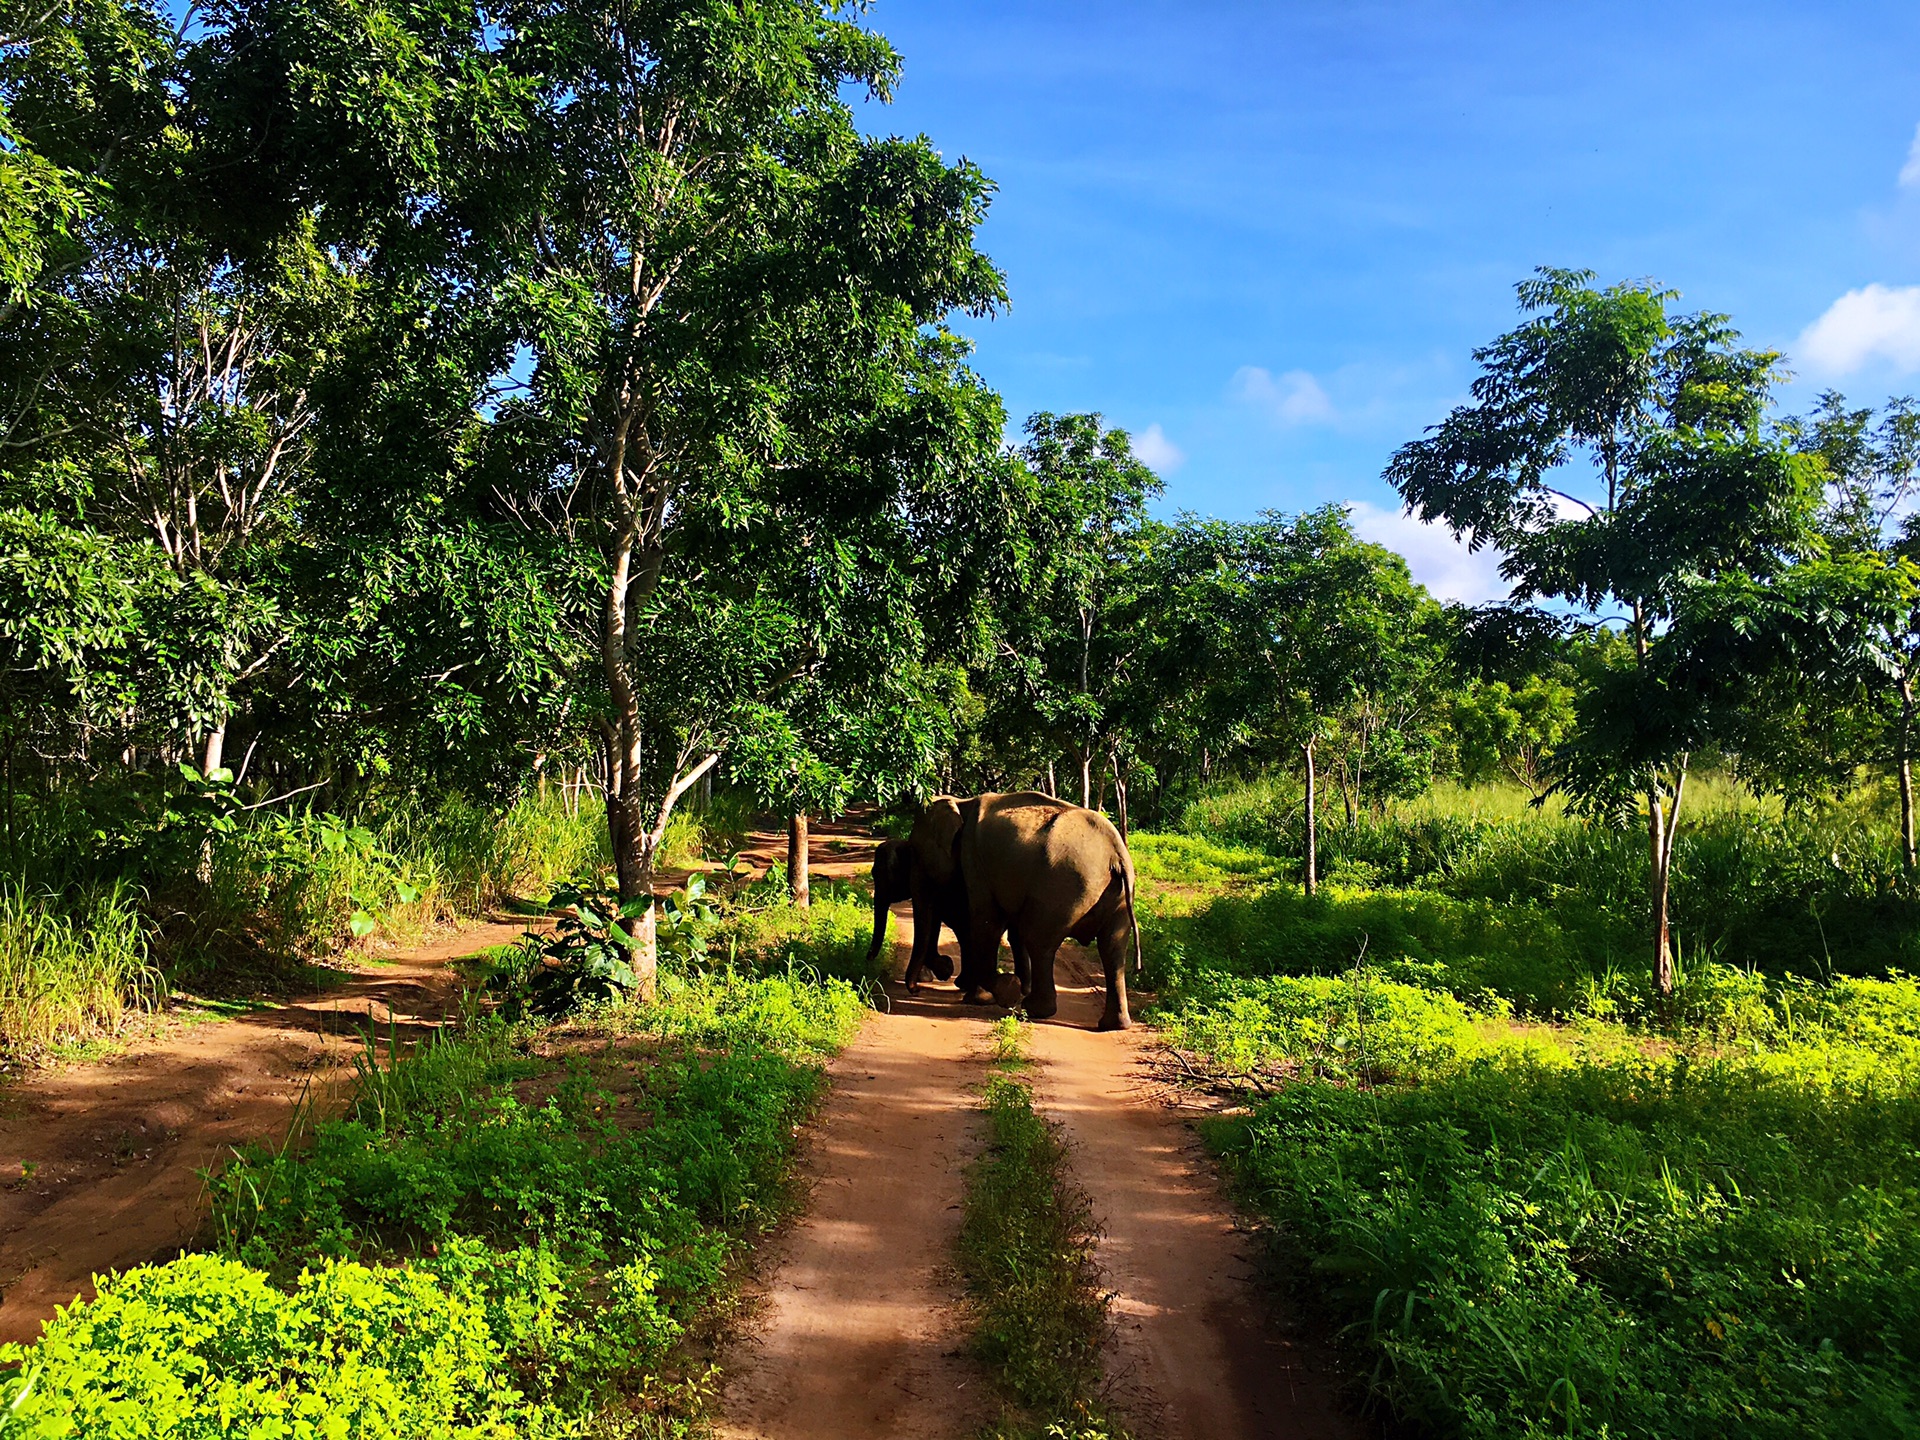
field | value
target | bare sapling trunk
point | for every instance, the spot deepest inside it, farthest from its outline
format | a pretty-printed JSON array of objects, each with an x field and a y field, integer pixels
[
  {"x": 1309, "y": 873},
  {"x": 1053, "y": 783},
  {"x": 1120, "y": 794},
  {"x": 215, "y": 749},
  {"x": 1086, "y": 779},
  {"x": 1907, "y": 857},
  {"x": 799, "y": 884},
  {"x": 1663, "y": 823}
]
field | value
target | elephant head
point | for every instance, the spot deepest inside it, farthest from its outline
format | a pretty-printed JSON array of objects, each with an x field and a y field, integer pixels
[{"x": 923, "y": 868}]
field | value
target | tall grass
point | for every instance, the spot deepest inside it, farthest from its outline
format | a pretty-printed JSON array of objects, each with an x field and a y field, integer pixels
[
  {"x": 1813, "y": 893},
  {"x": 69, "y": 973}
]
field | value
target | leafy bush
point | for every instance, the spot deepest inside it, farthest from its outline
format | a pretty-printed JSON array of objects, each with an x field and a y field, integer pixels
[
  {"x": 1638, "y": 1248},
  {"x": 1355, "y": 1026},
  {"x": 207, "y": 1346}
]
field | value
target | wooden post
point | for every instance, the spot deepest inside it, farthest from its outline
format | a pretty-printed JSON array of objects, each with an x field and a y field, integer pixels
[{"x": 797, "y": 877}]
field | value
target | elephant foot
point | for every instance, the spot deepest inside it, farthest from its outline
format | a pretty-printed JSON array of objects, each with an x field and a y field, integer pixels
[
  {"x": 1042, "y": 1009},
  {"x": 977, "y": 996},
  {"x": 941, "y": 967},
  {"x": 1115, "y": 1022},
  {"x": 1008, "y": 991}
]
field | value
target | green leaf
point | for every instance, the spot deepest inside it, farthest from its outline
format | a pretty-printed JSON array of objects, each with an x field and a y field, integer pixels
[{"x": 361, "y": 924}]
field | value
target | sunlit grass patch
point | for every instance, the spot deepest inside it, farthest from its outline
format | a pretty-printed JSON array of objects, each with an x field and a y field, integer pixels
[
  {"x": 70, "y": 972},
  {"x": 1026, "y": 1249}
]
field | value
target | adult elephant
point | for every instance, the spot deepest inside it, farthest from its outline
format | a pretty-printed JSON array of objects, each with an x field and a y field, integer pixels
[
  {"x": 1046, "y": 872},
  {"x": 925, "y": 868}
]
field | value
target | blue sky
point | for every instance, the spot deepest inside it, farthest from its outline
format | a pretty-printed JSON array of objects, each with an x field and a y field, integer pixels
[{"x": 1265, "y": 237}]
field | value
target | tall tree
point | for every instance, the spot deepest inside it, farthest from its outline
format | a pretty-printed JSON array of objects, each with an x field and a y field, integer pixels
[
  {"x": 701, "y": 248},
  {"x": 1063, "y": 650},
  {"x": 1659, "y": 419}
]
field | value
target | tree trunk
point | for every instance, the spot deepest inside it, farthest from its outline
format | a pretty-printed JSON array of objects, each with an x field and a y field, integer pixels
[
  {"x": 1907, "y": 857},
  {"x": 1657, "y": 895},
  {"x": 799, "y": 884},
  {"x": 215, "y": 750},
  {"x": 1053, "y": 785},
  {"x": 1120, "y": 795},
  {"x": 1308, "y": 873},
  {"x": 1086, "y": 779},
  {"x": 1662, "y": 825}
]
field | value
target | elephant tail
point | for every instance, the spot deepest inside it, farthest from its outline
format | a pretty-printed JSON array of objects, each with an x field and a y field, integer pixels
[{"x": 1133, "y": 917}]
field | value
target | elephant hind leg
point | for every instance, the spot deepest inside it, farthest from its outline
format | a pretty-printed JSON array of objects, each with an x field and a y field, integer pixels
[
  {"x": 1113, "y": 959},
  {"x": 1043, "y": 999}
]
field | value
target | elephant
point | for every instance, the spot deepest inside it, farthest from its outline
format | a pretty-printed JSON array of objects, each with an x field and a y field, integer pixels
[
  {"x": 925, "y": 869},
  {"x": 1025, "y": 865},
  {"x": 1046, "y": 871}
]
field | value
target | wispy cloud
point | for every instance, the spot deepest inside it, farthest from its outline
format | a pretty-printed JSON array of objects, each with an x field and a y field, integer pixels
[
  {"x": 1910, "y": 172},
  {"x": 1291, "y": 398},
  {"x": 1438, "y": 561},
  {"x": 1877, "y": 323},
  {"x": 1153, "y": 446}
]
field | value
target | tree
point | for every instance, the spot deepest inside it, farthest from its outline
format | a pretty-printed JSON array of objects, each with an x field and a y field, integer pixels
[
  {"x": 1284, "y": 627},
  {"x": 1062, "y": 652},
  {"x": 704, "y": 258},
  {"x": 1688, "y": 489}
]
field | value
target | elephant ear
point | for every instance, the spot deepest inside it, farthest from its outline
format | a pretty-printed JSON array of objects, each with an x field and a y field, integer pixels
[{"x": 935, "y": 837}]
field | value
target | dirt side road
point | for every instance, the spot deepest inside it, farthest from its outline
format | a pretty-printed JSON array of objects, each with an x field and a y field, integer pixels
[
  {"x": 857, "y": 1330},
  {"x": 1195, "y": 1354},
  {"x": 859, "y": 1336},
  {"x": 116, "y": 1148}
]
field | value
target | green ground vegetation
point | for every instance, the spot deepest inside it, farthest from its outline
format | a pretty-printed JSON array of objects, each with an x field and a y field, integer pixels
[
  {"x": 1026, "y": 1250},
  {"x": 1533, "y": 1198},
  {"x": 508, "y": 1231}
]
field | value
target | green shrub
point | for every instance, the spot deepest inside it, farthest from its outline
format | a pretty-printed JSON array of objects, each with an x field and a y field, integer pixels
[
  {"x": 1641, "y": 1248},
  {"x": 205, "y": 1346},
  {"x": 1355, "y": 1026},
  {"x": 69, "y": 971}
]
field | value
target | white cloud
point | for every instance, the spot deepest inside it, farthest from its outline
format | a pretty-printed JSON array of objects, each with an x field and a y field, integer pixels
[
  {"x": 1293, "y": 398},
  {"x": 1877, "y": 322},
  {"x": 1910, "y": 172},
  {"x": 1153, "y": 446},
  {"x": 1438, "y": 561}
]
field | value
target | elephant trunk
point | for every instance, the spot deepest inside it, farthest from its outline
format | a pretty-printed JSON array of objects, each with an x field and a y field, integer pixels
[{"x": 882, "y": 904}]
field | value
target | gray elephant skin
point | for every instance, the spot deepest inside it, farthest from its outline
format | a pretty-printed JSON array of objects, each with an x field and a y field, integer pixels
[{"x": 1025, "y": 865}]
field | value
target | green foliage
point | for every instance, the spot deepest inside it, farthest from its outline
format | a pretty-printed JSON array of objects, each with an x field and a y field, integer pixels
[
  {"x": 70, "y": 971},
  {"x": 1812, "y": 893},
  {"x": 1026, "y": 1250},
  {"x": 1676, "y": 1219},
  {"x": 1641, "y": 1248},
  {"x": 206, "y": 1345},
  {"x": 1358, "y": 1027},
  {"x": 828, "y": 937}
]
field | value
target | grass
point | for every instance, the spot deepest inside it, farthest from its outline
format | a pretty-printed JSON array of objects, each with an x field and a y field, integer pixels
[
  {"x": 1529, "y": 1200},
  {"x": 1026, "y": 1249},
  {"x": 70, "y": 973},
  {"x": 830, "y": 936},
  {"x": 508, "y": 1232}
]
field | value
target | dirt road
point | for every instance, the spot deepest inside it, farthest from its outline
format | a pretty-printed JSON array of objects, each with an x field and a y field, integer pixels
[
  {"x": 1195, "y": 1353},
  {"x": 859, "y": 1334},
  {"x": 116, "y": 1148}
]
